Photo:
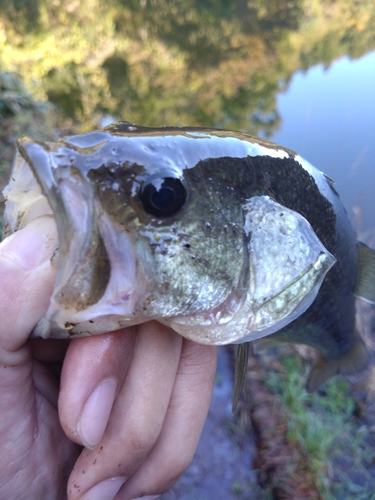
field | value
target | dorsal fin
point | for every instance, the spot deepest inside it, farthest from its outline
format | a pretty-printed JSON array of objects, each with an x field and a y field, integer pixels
[{"x": 366, "y": 274}]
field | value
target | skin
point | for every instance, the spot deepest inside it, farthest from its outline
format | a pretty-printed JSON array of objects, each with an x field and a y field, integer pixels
[{"x": 153, "y": 397}]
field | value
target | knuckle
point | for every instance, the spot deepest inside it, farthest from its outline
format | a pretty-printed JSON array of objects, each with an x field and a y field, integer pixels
[
  {"x": 141, "y": 441},
  {"x": 200, "y": 358}
]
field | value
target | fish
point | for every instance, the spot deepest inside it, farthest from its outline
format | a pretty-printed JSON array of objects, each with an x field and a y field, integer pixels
[{"x": 224, "y": 237}]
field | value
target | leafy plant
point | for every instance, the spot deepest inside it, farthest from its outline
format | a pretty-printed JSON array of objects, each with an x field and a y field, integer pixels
[{"x": 322, "y": 427}]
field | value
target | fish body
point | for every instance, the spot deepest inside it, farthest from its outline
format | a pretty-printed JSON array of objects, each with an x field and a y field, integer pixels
[{"x": 224, "y": 237}]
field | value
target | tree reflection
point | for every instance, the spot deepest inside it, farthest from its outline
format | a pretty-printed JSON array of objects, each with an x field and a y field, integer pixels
[{"x": 203, "y": 62}]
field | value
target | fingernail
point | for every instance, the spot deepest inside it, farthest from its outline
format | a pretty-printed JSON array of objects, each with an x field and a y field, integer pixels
[
  {"x": 106, "y": 490},
  {"x": 32, "y": 245},
  {"x": 95, "y": 414},
  {"x": 149, "y": 497}
]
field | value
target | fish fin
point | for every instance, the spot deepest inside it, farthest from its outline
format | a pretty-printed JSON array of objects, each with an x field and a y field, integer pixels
[
  {"x": 354, "y": 361},
  {"x": 366, "y": 274},
  {"x": 242, "y": 355}
]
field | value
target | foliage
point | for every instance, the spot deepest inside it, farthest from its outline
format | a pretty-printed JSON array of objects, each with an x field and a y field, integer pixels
[
  {"x": 19, "y": 115},
  {"x": 322, "y": 426},
  {"x": 203, "y": 62}
]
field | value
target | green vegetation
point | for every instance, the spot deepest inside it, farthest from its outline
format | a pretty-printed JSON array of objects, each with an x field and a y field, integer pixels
[
  {"x": 322, "y": 426},
  {"x": 210, "y": 62},
  {"x": 19, "y": 115},
  {"x": 153, "y": 62}
]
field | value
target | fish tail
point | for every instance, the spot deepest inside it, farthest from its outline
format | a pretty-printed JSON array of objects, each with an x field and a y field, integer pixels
[{"x": 354, "y": 361}]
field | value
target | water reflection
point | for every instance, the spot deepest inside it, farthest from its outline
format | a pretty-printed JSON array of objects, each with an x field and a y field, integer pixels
[
  {"x": 328, "y": 116},
  {"x": 205, "y": 62}
]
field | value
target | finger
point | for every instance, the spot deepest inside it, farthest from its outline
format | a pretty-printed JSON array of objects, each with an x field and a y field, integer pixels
[
  {"x": 27, "y": 279},
  {"x": 137, "y": 416},
  {"x": 182, "y": 427},
  {"x": 92, "y": 375}
]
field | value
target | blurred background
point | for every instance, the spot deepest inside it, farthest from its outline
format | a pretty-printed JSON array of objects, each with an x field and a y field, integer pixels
[{"x": 297, "y": 72}]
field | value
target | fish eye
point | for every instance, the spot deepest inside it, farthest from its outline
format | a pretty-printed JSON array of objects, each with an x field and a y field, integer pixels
[{"x": 163, "y": 196}]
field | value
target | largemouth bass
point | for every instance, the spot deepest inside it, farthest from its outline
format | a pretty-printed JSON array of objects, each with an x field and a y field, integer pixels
[{"x": 224, "y": 237}]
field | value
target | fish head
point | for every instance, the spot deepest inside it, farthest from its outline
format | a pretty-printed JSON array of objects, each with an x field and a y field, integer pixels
[{"x": 166, "y": 224}]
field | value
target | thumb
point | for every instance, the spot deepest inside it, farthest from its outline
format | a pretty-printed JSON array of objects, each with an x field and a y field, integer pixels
[{"x": 26, "y": 283}]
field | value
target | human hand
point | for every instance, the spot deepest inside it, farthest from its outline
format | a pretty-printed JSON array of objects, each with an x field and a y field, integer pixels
[{"x": 136, "y": 399}]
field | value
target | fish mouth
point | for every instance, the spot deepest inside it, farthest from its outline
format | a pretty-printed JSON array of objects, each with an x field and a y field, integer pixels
[{"x": 98, "y": 281}]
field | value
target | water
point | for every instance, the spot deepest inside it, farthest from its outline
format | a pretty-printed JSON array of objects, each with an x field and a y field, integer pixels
[{"x": 328, "y": 117}]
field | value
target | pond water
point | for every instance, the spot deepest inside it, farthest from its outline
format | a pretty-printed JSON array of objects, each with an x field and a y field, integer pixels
[{"x": 328, "y": 116}]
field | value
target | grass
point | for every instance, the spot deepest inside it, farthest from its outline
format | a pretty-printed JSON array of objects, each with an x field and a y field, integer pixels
[{"x": 335, "y": 449}]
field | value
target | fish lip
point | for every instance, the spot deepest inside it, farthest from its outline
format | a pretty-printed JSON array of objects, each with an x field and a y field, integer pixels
[{"x": 72, "y": 201}]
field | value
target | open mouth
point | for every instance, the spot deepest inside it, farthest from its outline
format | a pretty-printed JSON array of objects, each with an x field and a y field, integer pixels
[{"x": 96, "y": 267}]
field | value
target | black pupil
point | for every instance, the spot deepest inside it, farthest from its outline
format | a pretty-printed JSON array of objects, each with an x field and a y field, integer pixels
[
  {"x": 167, "y": 200},
  {"x": 163, "y": 199}
]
